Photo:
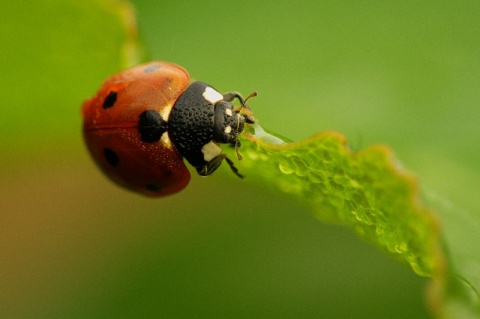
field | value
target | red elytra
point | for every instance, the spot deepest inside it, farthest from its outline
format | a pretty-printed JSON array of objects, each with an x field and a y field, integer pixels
[{"x": 111, "y": 132}]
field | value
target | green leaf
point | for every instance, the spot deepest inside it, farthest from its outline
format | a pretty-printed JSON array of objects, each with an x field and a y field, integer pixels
[
  {"x": 371, "y": 193},
  {"x": 458, "y": 286},
  {"x": 366, "y": 190}
]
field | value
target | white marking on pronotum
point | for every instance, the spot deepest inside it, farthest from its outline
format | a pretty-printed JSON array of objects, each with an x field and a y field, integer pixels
[
  {"x": 228, "y": 112},
  {"x": 210, "y": 151},
  {"x": 211, "y": 95},
  {"x": 228, "y": 129},
  {"x": 165, "y": 112},
  {"x": 165, "y": 140}
]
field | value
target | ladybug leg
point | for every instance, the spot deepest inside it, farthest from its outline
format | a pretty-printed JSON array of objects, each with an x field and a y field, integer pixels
[
  {"x": 248, "y": 119},
  {"x": 212, "y": 166},
  {"x": 230, "y": 96},
  {"x": 232, "y": 166}
]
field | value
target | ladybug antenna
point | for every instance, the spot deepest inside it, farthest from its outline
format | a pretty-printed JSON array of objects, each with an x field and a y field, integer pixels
[
  {"x": 244, "y": 102},
  {"x": 248, "y": 120}
]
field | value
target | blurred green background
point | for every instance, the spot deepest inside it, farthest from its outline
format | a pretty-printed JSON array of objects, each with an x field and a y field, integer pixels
[{"x": 72, "y": 245}]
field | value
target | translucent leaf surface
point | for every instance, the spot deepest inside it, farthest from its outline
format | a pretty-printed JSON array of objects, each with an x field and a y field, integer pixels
[
  {"x": 371, "y": 193},
  {"x": 366, "y": 190}
]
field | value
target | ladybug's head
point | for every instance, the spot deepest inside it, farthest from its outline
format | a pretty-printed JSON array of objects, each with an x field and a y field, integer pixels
[{"x": 227, "y": 123}]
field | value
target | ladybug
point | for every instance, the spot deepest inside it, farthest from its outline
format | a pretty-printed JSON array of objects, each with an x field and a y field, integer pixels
[{"x": 145, "y": 120}]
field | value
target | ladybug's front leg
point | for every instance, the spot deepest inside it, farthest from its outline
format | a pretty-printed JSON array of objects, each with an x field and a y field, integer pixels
[
  {"x": 230, "y": 96},
  {"x": 212, "y": 166}
]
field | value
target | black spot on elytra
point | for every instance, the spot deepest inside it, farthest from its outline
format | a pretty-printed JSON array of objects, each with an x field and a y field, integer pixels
[
  {"x": 110, "y": 100},
  {"x": 111, "y": 157},
  {"x": 153, "y": 188},
  {"x": 151, "y": 126},
  {"x": 151, "y": 68}
]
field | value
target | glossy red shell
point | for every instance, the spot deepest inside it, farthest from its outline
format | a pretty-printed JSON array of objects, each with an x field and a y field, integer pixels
[{"x": 112, "y": 136}]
